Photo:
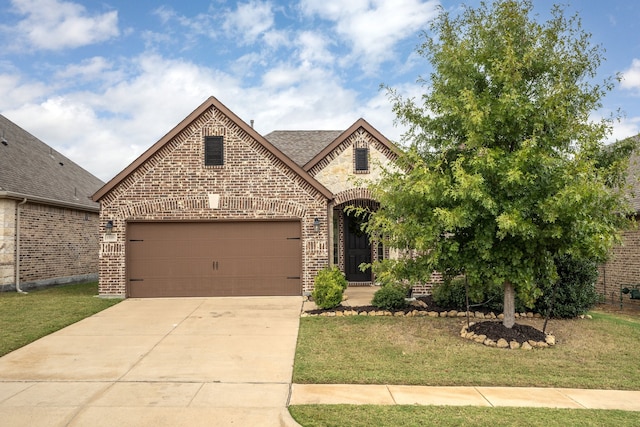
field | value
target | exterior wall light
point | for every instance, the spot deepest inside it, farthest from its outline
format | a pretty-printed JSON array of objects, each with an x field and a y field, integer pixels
[
  {"x": 109, "y": 227},
  {"x": 316, "y": 225}
]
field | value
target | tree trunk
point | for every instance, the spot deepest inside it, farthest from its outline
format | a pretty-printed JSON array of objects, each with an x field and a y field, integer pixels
[{"x": 509, "y": 305}]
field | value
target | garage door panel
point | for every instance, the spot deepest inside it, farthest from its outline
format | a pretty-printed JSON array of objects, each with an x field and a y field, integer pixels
[{"x": 214, "y": 259}]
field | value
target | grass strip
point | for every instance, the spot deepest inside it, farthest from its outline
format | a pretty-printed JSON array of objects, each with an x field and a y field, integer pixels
[
  {"x": 443, "y": 416},
  {"x": 25, "y": 318},
  {"x": 596, "y": 354}
]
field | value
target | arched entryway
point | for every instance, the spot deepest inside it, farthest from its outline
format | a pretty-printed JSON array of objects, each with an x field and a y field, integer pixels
[
  {"x": 357, "y": 248},
  {"x": 351, "y": 246}
]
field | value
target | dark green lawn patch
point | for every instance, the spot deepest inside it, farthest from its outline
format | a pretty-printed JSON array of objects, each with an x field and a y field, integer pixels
[
  {"x": 26, "y": 317},
  {"x": 406, "y": 416},
  {"x": 596, "y": 354}
]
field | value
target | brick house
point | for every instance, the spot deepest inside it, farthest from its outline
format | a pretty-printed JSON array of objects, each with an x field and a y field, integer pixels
[
  {"x": 216, "y": 209},
  {"x": 48, "y": 223},
  {"x": 623, "y": 267}
]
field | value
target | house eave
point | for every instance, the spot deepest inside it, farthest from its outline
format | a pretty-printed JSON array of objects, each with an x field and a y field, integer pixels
[{"x": 46, "y": 201}]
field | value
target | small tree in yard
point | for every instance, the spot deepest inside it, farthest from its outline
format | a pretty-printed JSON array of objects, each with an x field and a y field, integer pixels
[{"x": 505, "y": 169}]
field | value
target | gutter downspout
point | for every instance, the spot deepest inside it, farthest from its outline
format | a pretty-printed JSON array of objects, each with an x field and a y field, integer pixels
[{"x": 18, "y": 246}]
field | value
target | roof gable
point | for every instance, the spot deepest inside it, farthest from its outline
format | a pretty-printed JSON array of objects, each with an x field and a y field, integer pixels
[
  {"x": 308, "y": 147},
  {"x": 360, "y": 123},
  {"x": 31, "y": 169},
  {"x": 204, "y": 107}
]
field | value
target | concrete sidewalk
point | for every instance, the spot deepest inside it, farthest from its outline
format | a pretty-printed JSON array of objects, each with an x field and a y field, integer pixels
[
  {"x": 159, "y": 362},
  {"x": 456, "y": 396},
  {"x": 304, "y": 394}
]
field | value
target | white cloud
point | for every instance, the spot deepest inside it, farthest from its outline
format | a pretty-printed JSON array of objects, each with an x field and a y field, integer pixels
[
  {"x": 250, "y": 20},
  {"x": 104, "y": 130},
  {"x": 91, "y": 70},
  {"x": 16, "y": 91},
  {"x": 626, "y": 127},
  {"x": 313, "y": 48},
  {"x": 631, "y": 76},
  {"x": 57, "y": 25},
  {"x": 373, "y": 27}
]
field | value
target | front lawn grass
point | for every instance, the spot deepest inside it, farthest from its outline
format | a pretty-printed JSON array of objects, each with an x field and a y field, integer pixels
[
  {"x": 26, "y": 317},
  {"x": 368, "y": 415},
  {"x": 601, "y": 353}
]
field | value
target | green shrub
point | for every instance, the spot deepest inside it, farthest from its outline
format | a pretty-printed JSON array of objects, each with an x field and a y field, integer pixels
[
  {"x": 575, "y": 292},
  {"x": 330, "y": 284},
  {"x": 452, "y": 295},
  {"x": 390, "y": 297}
]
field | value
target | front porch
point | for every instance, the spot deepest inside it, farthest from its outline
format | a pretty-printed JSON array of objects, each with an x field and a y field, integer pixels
[{"x": 350, "y": 246}]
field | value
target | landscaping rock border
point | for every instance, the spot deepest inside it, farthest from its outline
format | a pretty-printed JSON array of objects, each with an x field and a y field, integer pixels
[
  {"x": 415, "y": 312},
  {"x": 549, "y": 341}
]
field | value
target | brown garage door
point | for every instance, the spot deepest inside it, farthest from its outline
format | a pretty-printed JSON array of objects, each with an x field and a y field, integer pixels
[{"x": 174, "y": 259}]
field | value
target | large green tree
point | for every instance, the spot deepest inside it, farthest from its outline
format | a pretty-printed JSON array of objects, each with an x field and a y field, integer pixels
[{"x": 505, "y": 167}]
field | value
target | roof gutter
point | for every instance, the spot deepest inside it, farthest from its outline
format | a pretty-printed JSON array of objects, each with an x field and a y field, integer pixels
[
  {"x": 44, "y": 200},
  {"x": 17, "y": 267}
]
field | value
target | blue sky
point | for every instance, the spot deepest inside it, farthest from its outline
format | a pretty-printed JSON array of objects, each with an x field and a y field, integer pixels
[{"x": 103, "y": 81}]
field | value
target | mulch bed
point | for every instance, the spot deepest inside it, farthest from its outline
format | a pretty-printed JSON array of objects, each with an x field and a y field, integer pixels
[
  {"x": 431, "y": 306},
  {"x": 496, "y": 330},
  {"x": 492, "y": 329}
]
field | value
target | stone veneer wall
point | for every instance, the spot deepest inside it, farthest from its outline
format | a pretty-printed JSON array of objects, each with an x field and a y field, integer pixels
[
  {"x": 337, "y": 173},
  {"x": 176, "y": 185},
  {"x": 7, "y": 242},
  {"x": 337, "y": 170},
  {"x": 623, "y": 268}
]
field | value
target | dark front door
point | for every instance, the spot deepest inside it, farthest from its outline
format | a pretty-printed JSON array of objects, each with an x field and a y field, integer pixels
[{"x": 357, "y": 249}]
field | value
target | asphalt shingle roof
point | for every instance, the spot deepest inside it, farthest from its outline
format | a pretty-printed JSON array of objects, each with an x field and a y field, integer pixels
[
  {"x": 633, "y": 178},
  {"x": 29, "y": 167},
  {"x": 302, "y": 145}
]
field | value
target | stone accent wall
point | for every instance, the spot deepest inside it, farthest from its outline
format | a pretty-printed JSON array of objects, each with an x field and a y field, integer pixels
[
  {"x": 337, "y": 170},
  {"x": 7, "y": 242},
  {"x": 174, "y": 184},
  {"x": 622, "y": 269},
  {"x": 57, "y": 245}
]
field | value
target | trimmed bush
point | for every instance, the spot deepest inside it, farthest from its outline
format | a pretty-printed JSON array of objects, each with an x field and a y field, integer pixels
[
  {"x": 575, "y": 292},
  {"x": 452, "y": 295},
  {"x": 330, "y": 284},
  {"x": 390, "y": 297}
]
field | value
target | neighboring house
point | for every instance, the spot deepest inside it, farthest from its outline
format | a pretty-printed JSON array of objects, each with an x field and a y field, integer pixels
[
  {"x": 622, "y": 270},
  {"x": 216, "y": 209},
  {"x": 48, "y": 223}
]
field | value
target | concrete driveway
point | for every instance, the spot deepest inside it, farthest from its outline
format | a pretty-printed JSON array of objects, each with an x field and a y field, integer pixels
[{"x": 159, "y": 362}]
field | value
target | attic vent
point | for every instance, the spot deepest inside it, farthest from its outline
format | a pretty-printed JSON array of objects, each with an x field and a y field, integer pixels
[
  {"x": 213, "y": 151},
  {"x": 61, "y": 164},
  {"x": 362, "y": 159},
  {"x": 4, "y": 142}
]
